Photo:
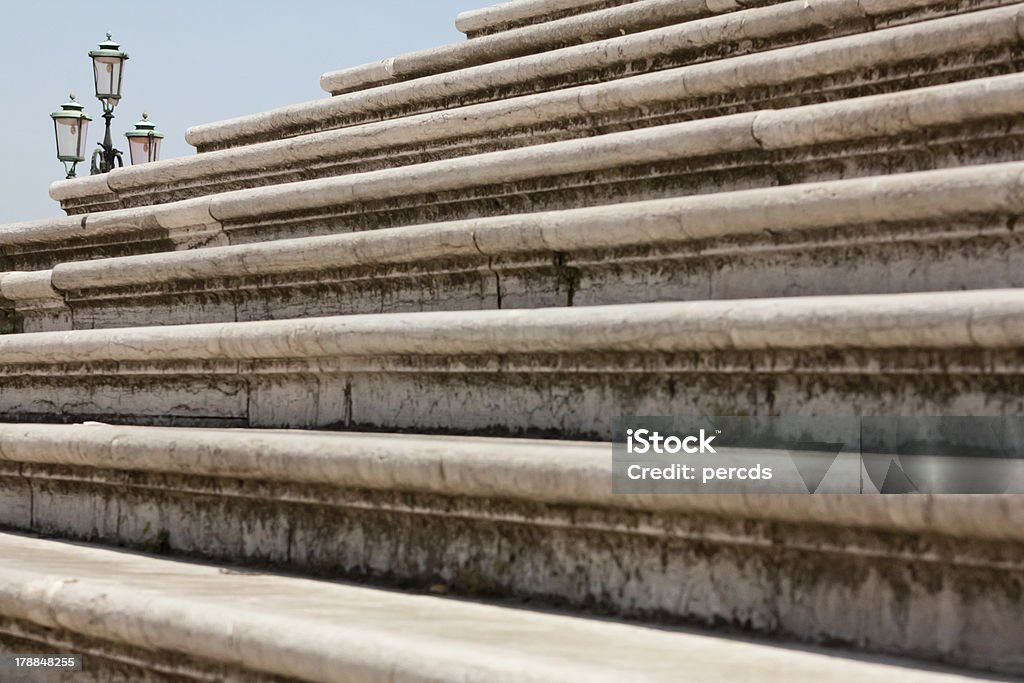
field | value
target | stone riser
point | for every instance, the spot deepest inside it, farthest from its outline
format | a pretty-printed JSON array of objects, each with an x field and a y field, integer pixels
[
  {"x": 85, "y": 248},
  {"x": 939, "y": 148},
  {"x": 487, "y": 21},
  {"x": 565, "y": 395},
  {"x": 830, "y": 89},
  {"x": 741, "y": 33},
  {"x": 813, "y": 583},
  {"x": 9, "y": 321},
  {"x": 961, "y": 254},
  {"x": 490, "y": 20}
]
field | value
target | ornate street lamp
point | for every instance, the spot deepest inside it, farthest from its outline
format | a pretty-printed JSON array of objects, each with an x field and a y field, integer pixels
[
  {"x": 108, "y": 71},
  {"x": 70, "y": 125},
  {"x": 144, "y": 141}
]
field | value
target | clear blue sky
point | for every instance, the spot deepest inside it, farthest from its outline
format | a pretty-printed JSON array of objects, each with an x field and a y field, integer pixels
[{"x": 191, "y": 62}]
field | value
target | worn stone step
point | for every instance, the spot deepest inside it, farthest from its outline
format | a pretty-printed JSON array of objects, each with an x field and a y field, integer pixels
[
  {"x": 936, "y": 230},
  {"x": 136, "y": 617},
  {"x": 572, "y": 30},
  {"x": 510, "y": 15},
  {"x": 706, "y": 40},
  {"x": 978, "y": 44},
  {"x": 536, "y": 520},
  {"x": 564, "y": 371},
  {"x": 973, "y": 122}
]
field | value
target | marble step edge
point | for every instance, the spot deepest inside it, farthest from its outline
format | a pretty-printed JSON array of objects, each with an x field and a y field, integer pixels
[
  {"x": 975, "y": 319},
  {"x": 508, "y": 15},
  {"x": 555, "y": 472}
]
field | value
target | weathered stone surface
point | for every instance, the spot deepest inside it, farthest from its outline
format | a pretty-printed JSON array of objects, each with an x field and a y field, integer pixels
[
  {"x": 315, "y": 631},
  {"x": 503, "y": 17},
  {"x": 939, "y": 127},
  {"x": 723, "y": 168},
  {"x": 980, "y": 43},
  {"x": 592, "y": 26},
  {"x": 734, "y": 152},
  {"x": 38, "y": 306},
  {"x": 384, "y": 507},
  {"x": 710, "y": 40},
  {"x": 868, "y": 235},
  {"x": 565, "y": 371}
]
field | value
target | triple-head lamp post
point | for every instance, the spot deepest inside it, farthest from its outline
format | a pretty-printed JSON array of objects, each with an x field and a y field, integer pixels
[
  {"x": 71, "y": 123},
  {"x": 108, "y": 71}
]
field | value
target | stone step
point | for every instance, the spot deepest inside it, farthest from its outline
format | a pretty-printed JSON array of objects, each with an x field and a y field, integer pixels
[
  {"x": 936, "y": 230},
  {"x": 706, "y": 40},
  {"x": 930, "y": 53},
  {"x": 511, "y": 15},
  {"x": 572, "y": 30},
  {"x": 561, "y": 371},
  {"x": 972, "y": 122},
  {"x": 136, "y": 617}
]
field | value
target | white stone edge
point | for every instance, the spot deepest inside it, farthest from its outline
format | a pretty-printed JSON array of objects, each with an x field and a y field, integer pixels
[
  {"x": 934, "y": 321},
  {"x": 541, "y": 471},
  {"x": 472, "y": 21}
]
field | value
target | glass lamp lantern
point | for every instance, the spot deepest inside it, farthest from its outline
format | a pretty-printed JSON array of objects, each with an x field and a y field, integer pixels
[
  {"x": 71, "y": 125},
  {"x": 108, "y": 71},
  {"x": 144, "y": 141}
]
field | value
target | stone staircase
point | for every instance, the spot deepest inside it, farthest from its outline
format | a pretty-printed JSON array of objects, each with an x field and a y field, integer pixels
[{"x": 381, "y": 337}]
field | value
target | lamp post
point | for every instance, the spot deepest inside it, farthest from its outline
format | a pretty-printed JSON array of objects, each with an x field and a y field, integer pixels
[
  {"x": 144, "y": 141},
  {"x": 108, "y": 71},
  {"x": 71, "y": 122},
  {"x": 70, "y": 125}
]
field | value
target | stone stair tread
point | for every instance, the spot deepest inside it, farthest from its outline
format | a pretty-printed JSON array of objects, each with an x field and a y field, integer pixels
[
  {"x": 496, "y": 371},
  {"x": 933, "y": 320},
  {"x": 317, "y": 631},
  {"x": 548, "y": 471}
]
